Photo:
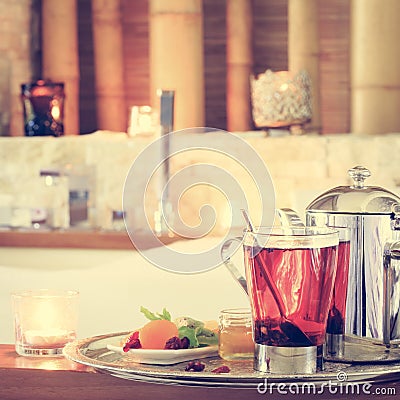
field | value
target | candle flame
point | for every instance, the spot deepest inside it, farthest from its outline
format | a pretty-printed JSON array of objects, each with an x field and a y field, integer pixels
[
  {"x": 284, "y": 87},
  {"x": 55, "y": 111}
]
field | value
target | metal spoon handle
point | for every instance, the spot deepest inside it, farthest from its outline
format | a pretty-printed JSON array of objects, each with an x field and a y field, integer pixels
[
  {"x": 264, "y": 270},
  {"x": 271, "y": 284},
  {"x": 247, "y": 219}
]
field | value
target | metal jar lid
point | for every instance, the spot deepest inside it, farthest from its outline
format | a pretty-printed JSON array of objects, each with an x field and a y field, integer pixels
[{"x": 357, "y": 198}]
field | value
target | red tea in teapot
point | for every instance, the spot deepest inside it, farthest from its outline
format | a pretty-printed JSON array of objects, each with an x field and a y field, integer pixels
[
  {"x": 337, "y": 311},
  {"x": 291, "y": 291}
]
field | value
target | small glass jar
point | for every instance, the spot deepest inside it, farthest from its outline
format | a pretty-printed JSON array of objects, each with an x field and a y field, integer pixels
[
  {"x": 55, "y": 198},
  {"x": 235, "y": 334},
  {"x": 118, "y": 223}
]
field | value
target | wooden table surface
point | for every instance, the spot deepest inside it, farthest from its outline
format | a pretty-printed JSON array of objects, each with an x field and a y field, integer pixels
[{"x": 25, "y": 378}]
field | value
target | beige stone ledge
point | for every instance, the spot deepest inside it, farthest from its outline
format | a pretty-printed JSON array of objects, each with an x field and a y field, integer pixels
[{"x": 301, "y": 167}]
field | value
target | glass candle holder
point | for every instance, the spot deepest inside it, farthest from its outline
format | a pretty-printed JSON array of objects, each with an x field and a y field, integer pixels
[
  {"x": 44, "y": 320},
  {"x": 143, "y": 120},
  {"x": 235, "y": 334},
  {"x": 281, "y": 98},
  {"x": 43, "y": 105}
]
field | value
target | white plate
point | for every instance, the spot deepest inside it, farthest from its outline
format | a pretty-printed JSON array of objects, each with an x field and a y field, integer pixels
[{"x": 165, "y": 357}]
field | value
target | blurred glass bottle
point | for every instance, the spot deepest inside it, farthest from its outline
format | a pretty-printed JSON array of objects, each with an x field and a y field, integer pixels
[
  {"x": 43, "y": 104},
  {"x": 55, "y": 199}
]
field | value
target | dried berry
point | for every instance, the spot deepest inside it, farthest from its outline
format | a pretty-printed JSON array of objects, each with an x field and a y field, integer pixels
[
  {"x": 173, "y": 343},
  {"x": 195, "y": 366},
  {"x": 185, "y": 342},
  {"x": 223, "y": 369},
  {"x": 132, "y": 342}
]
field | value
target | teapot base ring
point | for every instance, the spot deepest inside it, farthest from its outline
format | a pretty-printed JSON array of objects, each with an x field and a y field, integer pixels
[
  {"x": 288, "y": 360},
  {"x": 334, "y": 345}
]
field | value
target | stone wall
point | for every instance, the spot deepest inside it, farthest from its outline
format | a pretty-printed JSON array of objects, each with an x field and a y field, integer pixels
[{"x": 301, "y": 167}]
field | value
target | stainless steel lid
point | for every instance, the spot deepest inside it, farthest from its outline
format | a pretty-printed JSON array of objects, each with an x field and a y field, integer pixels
[{"x": 357, "y": 198}]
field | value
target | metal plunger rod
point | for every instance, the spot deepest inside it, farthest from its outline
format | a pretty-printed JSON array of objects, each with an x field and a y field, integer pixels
[{"x": 167, "y": 126}]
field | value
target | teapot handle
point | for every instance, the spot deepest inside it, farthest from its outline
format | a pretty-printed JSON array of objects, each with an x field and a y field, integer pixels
[
  {"x": 225, "y": 256},
  {"x": 391, "y": 252}
]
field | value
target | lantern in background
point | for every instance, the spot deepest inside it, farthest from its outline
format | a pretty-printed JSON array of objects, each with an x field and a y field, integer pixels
[
  {"x": 281, "y": 99},
  {"x": 43, "y": 104}
]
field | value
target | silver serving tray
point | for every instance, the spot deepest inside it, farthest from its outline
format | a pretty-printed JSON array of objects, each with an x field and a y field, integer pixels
[
  {"x": 93, "y": 352},
  {"x": 359, "y": 350}
]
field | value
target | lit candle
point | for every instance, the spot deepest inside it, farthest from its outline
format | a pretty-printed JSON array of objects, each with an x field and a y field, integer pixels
[
  {"x": 51, "y": 337},
  {"x": 132, "y": 128},
  {"x": 45, "y": 321}
]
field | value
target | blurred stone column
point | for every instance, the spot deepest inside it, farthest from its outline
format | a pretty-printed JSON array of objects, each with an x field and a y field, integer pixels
[
  {"x": 61, "y": 56},
  {"x": 15, "y": 64},
  {"x": 6, "y": 99},
  {"x": 303, "y": 49},
  {"x": 176, "y": 58},
  {"x": 375, "y": 66},
  {"x": 239, "y": 59},
  {"x": 109, "y": 65}
]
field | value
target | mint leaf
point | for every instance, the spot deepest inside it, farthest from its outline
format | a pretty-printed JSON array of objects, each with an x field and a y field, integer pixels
[
  {"x": 166, "y": 314},
  {"x": 190, "y": 333},
  {"x": 148, "y": 314},
  {"x": 152, "y": 316}
]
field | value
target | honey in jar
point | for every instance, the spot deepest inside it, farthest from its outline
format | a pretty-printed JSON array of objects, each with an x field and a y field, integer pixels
[{"x": 235, "y": 334}]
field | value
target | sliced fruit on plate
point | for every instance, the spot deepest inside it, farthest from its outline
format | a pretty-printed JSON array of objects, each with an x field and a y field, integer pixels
[
  {"x": 156, "y": 333},
  {"x": 162, "y": 333}
]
